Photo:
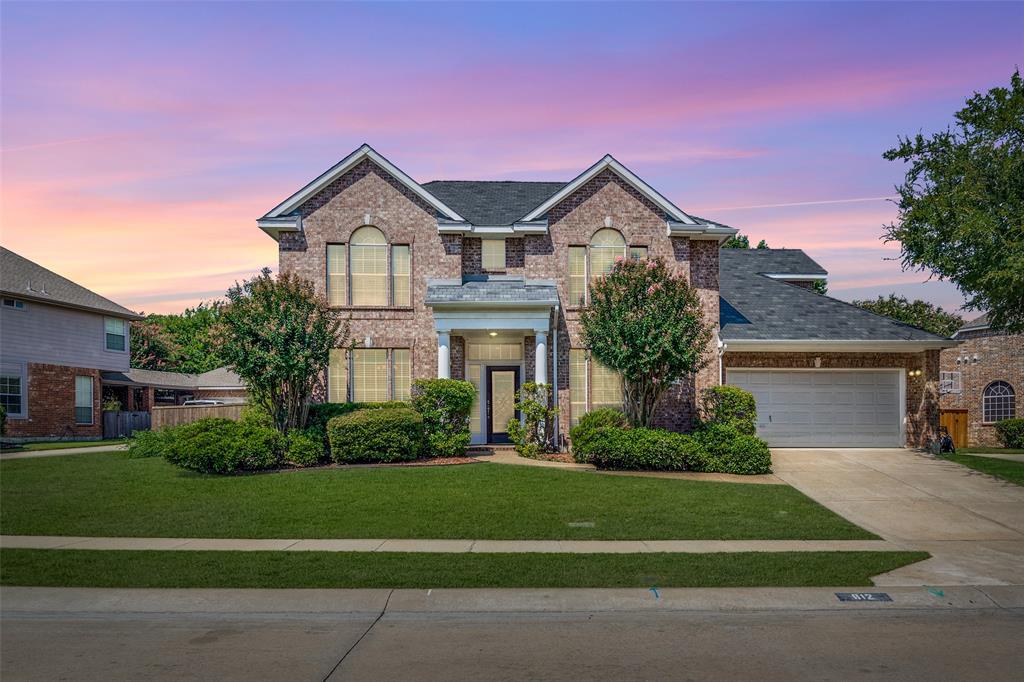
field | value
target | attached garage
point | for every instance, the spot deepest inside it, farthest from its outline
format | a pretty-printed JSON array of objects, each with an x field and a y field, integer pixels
[{"x": 821, "y": 407}]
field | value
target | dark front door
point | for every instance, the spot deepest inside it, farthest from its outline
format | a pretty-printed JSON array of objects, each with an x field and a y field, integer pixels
[{"x": 502, "y": 385}]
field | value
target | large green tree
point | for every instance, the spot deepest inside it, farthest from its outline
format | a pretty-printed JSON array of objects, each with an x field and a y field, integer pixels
[
  {"x": 645, "y": 322},
  {"x": 917, "y": 313},
  {"x": 961, "y": 205},
  {"x": 178, "y": 343},
  {"x": 278, "y": 335}
]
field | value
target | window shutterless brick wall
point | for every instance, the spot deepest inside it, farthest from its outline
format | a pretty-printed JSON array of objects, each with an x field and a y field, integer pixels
[
  {"x": 51, "y": 405},
  {"x": 1000, "y": 358},
  {"x": 922, "y": 394},
  {"x": 332, "y": 215}
]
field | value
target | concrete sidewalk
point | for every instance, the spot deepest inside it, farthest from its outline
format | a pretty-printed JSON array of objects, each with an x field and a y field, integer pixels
[
  {"x": 31, "y": 454},
  {"x": 445, "y": 546}
]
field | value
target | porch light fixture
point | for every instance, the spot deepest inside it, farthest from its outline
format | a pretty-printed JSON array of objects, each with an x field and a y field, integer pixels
[{"x": 492, "y": 333}]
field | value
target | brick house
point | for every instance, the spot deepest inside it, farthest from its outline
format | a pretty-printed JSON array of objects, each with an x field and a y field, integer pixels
[
  {"x": 56, "y": 338},
  {"x": 484, "y": 281},
  {"x": 982, "y": 377}
]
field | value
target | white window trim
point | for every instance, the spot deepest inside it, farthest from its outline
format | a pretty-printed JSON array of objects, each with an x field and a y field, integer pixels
[
  {"x": 389, "y": 362},
  {"x": 389, "y": 274},
  {"x": 92, "y": 401},
  {"x": 950, "y": 382},
  {"x": 984, "y": 396},
  {"x": 19, "y": 370},
  {"x": 504, "y": 255},
  {"x": 125, "y": 333},
  {"x": 18, "y": 304}
]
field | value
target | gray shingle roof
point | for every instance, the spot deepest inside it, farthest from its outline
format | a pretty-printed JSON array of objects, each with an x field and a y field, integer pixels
[
  {"x": 508, "y": 290},
  {"x": 22, "y": 278},
  {"x": 222, "y": 377},
  {"x": 760, "y": 308},
  {"x": 500, "y": 202},
  {"x": 975, "y": 324}
]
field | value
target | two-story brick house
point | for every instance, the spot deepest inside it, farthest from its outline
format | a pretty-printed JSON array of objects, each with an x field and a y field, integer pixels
[
  {"x": 484, "y": 281},
  {"x": 56, "y": 339}
]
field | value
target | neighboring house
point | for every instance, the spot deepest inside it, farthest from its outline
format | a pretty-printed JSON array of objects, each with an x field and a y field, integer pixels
[
  {"x": 56, "y": 338},
  {"x": 982, "y": 378},
  {"x": 483, "y": 280},
  {"x": 146, "y": 387}
]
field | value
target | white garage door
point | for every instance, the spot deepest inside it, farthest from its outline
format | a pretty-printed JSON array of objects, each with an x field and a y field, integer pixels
[{"x": 825, "y": 408}]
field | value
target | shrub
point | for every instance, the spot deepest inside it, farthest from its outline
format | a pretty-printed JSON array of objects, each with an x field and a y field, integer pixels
[
  {"x": 640, "y": 448},
  {"x": 147, "y": 444},
  {"x": 261, "y": 447},
  {"x": 580, "y": 434},
  {"x": 729, "y": 405},
  {"x": 444, "y": 405},
  {"x": 1011, "y": 432},
  {"x": 221, "y": 446},
  {"x": 535, "y": 434},
  {"x": 730, "y": 452},
  {"x": 305, "y": 447},
  {"x": 389, "y": 435},
  {"x": 255, "y": 414},
  {"x": 321, "y": 413}
]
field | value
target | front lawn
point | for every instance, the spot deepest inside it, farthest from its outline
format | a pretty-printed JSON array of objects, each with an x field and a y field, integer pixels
[
  {"x": 107, "y": 494},
  {"x": 1006, "y": 469},
  {"x": 83, "y": 568},
  {"x": 991, "y": 451},
  {"x": 61, "y": 445}
]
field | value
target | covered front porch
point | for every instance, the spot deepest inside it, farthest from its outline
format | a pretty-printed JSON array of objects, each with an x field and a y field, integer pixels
[{"x": 495, "y": 333}]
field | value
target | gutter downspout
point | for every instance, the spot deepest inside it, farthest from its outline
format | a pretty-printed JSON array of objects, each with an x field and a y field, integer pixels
[
  {"x": 554, "y": 384},
  {"x": 721, "y": 351}
]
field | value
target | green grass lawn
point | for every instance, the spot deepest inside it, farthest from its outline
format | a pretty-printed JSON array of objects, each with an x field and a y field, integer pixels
[
  {"x": 107, "y": 494},
  {"x": 991, "y": 451},
  {"x": 83, "y": 568},
  {"x": 1006, "y": 469},
  {"x": 61, "y": 445}
]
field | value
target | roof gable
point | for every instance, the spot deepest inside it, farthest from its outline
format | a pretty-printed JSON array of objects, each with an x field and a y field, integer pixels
[
  {"x": 492, "y": 202},
  {"x": 349, "y": 162},
  {"x": 610, "y": 163},
  {"x": 26, "y": 279}
]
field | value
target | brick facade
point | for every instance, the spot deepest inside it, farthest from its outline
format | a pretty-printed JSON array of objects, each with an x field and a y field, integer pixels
[
  {"x": 1000, "y": 357},
  {"x": 50, "y": 390},
  {"x": 922, "y": 393},
  {"x": 369, "y": 195}
]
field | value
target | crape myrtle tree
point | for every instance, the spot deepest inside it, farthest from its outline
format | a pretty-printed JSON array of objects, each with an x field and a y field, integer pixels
[
  {"x": 645, "y": 322},
  {"x": 961, "y": 205},
  {"x": 278, "y": 334}
]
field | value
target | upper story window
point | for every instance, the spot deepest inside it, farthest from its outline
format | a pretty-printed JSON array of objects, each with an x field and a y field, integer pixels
[
  {"x": 587, "y": 263},
  {"x": 15, "y": 303},
  {"x": 492, "y": 254},
  {"x": 357, "y": 272},
  {"x": 998, "y": 402},
  {"x": 115, "y": 334}
]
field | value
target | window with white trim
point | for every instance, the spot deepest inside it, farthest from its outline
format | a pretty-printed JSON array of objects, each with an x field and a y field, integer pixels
[
  {"x": 369, "y": 375},
  {"x": 998, "y": 402},
  {"x": 587, "y": 263},
  {"x": 950, "y": 382},
  {"x": 368, "y": 272},
  {"x": 12, "y": 392},
  {"x": 592, "y": 386},
  {"x": 115, "y": 334},
  {"x": 83, "y": 400},
  {"x": 492, "y": 254},
  {"x": 15, "y": 303},
  {"x": 606, "y": 246}
]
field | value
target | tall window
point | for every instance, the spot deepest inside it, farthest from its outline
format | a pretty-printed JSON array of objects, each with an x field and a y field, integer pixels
[
  {"x": 116, "y": 333},
  {"x": 638, "y": 252},
  {"x": 369, "y": 257},
  {"x": 11, "y": 393},
  {"x": 605, "y": 246},
  {"x": 998, "y": 402},
  {"x": 492, "y": 254},
  {"x": 588, "y": 376},
  {"x": 83, "y": 400},
  {"x": 577, "y": 275},
  {"x": 358, "y": 272},
  {"x": 377, "y": 374}
]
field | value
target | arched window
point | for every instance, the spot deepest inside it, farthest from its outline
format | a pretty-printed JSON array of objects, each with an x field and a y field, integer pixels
[
  {"x": 998, "y": 402},
  {"x": 357, "y": 272},
  {"x": 605, "y": 246}
]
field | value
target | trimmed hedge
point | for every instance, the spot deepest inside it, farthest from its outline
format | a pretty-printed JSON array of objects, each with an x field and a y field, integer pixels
[
  {"x": 444, "y": 405},
  {"x": 1011, "y": 432},
  {"x": 306, "y": 447},
  {"x": 147, "y": 444},
  {"x": 580, "y": 435},
  {"x": 640, "y": 448},
  {"x": 375, "y": 435},
  {"x": 729, "y": 405},
  {"x": 222, "y": 446},
  {"x": 321, "y": 413},
  {"x": 729, "y": 451}
]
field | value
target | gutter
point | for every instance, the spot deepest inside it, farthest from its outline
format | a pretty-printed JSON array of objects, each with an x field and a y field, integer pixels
[
  {"x": 554, "y": 389},
  {"x": 839, "y": 345}
]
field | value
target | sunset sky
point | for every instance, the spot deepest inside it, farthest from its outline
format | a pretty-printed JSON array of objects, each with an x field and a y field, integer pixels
[{"x": 141, "y": 141}]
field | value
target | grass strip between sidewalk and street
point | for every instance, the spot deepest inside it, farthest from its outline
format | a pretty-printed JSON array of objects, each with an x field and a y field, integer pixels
[
  {"x": 1006, "y": 469},
  {"x": 98, "y": 568}
]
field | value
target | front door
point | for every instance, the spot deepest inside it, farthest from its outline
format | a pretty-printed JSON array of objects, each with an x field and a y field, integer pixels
[{"x": 502, "y": 385}]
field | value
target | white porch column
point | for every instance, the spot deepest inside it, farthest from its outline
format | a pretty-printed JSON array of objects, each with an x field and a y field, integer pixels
[
  {"x": 541, "y": 358},
  {"x": 444, "y": 359}
]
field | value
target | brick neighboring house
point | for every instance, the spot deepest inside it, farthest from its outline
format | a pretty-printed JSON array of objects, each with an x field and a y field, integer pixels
[
  {"x": 56, "y": 338},
  {"x": 483, "y": 280},
  {"x": 983, "y": 375}
]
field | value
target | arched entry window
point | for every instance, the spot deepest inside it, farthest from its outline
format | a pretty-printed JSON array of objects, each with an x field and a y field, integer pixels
[
  {"x": 605, "y": 246},
  {"x": 998, "y": 402},
  {"x": 357, "y": 272}
]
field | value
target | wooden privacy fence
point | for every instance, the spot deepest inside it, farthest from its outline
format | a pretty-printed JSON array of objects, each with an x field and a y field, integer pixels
[
  {"x": 174, "y": 415},
  {"x": 955, "y": 422},
  {"x": 121, "y": 424}
]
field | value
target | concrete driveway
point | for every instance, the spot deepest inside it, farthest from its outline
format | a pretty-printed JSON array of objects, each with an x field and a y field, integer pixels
[{"x": 972, "y": 523}]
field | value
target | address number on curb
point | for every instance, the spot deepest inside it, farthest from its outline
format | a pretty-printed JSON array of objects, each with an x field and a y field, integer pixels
[{"x": 863, "y": 596}]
